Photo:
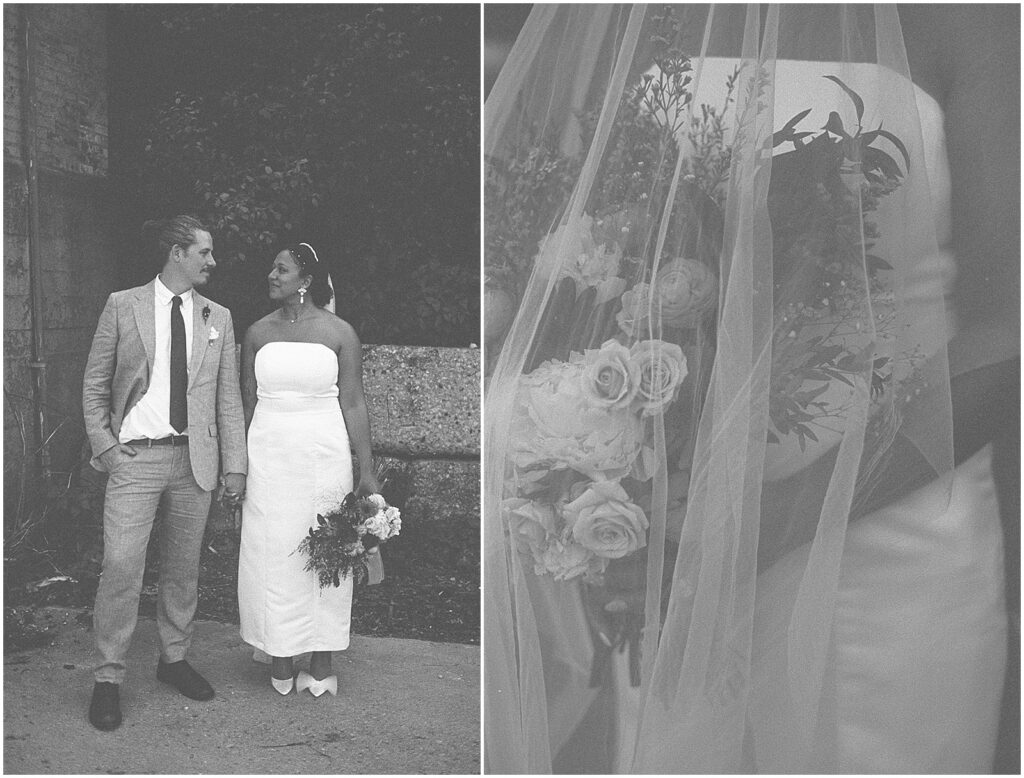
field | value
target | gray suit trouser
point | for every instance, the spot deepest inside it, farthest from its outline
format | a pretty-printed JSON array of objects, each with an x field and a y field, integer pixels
[{"x": 157, "y": 476}]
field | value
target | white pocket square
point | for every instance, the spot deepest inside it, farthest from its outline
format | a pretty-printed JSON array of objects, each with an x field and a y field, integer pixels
[{"x": 316, "y": 688}]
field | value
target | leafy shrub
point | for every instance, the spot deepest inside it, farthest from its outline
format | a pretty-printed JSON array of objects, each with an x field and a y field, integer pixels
[{"x": 354, "y": 128}]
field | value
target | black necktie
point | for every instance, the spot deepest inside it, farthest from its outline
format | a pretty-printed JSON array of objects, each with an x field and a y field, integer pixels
[{"x": 179, "y": 368}]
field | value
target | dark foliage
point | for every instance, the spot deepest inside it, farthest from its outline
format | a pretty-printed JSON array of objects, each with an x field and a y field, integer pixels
[{"x": 354, "y": 128}]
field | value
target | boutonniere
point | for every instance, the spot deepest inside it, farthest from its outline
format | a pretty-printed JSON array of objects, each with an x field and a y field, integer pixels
[
  {"x": 206, "y": 313},
  {"x": 214, "y": 334}
]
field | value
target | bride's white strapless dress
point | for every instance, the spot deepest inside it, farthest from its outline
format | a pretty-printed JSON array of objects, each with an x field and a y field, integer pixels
[
  {"x": 919, "y": 640},
  {"x": 299, "y": 461}
]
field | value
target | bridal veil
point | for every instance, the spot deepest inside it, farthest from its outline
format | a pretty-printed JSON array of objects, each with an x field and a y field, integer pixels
[{"x": 719, "y": 228}]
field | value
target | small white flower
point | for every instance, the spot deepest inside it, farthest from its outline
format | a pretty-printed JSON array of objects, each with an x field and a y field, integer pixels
[
  {"x": 214, "y": 334},
  {"x": 378, "y": 501}
]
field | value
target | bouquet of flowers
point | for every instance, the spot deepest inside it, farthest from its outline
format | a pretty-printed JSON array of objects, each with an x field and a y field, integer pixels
[
  {"x": 599, "y": 374},
  {"x": 345, "y": 535},
  {"x": 581, "y": 438}
]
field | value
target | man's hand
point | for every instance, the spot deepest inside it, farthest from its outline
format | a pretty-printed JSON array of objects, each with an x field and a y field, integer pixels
[
  {"x": 231, "y": 496},
  {"x": 110, "y": 456}
]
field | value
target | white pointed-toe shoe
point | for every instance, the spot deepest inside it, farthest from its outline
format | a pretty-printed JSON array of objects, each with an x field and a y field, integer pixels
[
  {"x": 283, "y": 685},
  {"x": 316, "y": 688}
]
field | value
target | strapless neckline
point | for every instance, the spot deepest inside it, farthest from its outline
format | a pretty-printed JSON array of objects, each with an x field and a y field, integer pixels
[{"x": 293, "y": 343}]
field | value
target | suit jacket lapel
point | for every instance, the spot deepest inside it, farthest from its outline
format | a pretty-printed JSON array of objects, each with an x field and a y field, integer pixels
[
  {"x": 144, "y": 308},
  {"x": 200, "y": 336}
]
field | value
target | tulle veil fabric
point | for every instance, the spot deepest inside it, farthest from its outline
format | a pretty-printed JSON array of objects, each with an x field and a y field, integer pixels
[{"x": 717, "y": 252}]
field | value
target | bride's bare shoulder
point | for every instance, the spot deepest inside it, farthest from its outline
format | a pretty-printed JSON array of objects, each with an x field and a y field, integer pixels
[
  {"x": 340, "y": 335},
  {"x": 259, "y": 331},
  {"x": 340, "y": 327}
]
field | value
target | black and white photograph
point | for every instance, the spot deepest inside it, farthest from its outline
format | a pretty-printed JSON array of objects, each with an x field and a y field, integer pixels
[
  {"x": 752, "y": 389},
  {"x": 242, "y": 465}
]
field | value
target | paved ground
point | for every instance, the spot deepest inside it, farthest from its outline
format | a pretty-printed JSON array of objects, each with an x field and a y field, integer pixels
[{"x": 406, "y": 706}]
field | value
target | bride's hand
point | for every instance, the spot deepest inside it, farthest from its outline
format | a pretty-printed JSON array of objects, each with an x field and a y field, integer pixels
[{"x": 367, "y": 485}]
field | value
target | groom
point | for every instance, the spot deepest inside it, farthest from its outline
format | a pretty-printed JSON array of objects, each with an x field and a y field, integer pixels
[{"x": 162, "y": 405}]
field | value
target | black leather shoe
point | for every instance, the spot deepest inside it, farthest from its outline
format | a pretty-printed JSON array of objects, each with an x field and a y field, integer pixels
[
  {"x": 105, "y": 708},
  {"x": 182, "y": 677}
]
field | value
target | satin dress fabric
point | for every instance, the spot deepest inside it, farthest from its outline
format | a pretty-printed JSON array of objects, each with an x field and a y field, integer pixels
[{"x": 300, "y": 464}]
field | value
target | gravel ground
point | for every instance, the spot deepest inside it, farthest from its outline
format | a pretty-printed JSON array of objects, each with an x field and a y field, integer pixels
[{"x": 404, "y": 707}]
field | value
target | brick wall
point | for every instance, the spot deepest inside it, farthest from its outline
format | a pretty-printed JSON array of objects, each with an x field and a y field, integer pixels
[
  {"x": 78, "y": 269},
  {"x": 70, "y": 86}
]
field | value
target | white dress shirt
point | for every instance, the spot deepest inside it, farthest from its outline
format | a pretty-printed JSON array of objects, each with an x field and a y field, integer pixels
[{"x": 151, "y": 416}]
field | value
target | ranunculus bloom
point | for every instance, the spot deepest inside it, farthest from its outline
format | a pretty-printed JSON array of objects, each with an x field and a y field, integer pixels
[
  {"x": 661, "y": 368},
  {"x": 684, "y": 291},
  {"x": 604, "y": 521},
  {"x": 609, "y": 377},
  {"x": 378, "y": 501},
  {"x": 557, "y": 426}
]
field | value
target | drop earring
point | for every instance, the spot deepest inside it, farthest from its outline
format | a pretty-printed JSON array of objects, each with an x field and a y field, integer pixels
[{"x": 302, "y": 295}]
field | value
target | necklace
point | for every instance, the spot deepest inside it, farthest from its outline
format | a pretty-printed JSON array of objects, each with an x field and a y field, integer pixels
[{"x": 298, "y": 317}]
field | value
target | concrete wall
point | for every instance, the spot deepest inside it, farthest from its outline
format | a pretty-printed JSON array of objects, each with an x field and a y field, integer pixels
[
  {"x": 76, "y": 257},
  {"x": 424, "y": 408}
]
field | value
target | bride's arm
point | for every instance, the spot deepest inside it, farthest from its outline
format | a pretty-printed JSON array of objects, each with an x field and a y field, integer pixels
[
  {"x": 353, "y": 405},
  {"x": 247, "y": 374},
  {"x": 973, "y": 49}
]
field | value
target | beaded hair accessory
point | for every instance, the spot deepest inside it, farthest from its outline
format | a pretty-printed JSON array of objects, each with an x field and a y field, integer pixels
[
  {"x": 311, "y": 251},
  {"x": 316, "y": 259}
]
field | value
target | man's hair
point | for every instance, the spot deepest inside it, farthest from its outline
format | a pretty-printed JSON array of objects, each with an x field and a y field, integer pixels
[{"x": 161, "y": 235}]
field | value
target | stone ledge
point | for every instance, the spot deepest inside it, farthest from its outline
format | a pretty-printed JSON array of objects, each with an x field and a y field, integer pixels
[
  {"x": 435, "y": 491},
  {"x": 423, "y": 401}
]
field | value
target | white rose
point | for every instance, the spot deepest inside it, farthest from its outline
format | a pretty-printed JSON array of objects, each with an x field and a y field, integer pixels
[
  {"x": 378, "y": 501},
  {"x": 661, "y": 368},
  {"x": 609, "y": 377},
  {"x": 604, "y": 521}
]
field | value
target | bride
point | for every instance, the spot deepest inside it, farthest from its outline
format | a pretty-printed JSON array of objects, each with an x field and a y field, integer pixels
[
  {"x": 740, "y": 514},
  {"x": 302, "y": 393}
]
